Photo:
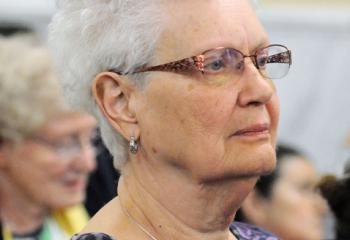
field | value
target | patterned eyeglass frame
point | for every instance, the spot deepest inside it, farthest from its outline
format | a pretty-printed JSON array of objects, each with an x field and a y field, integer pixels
[{"x": 196, "y": 63}]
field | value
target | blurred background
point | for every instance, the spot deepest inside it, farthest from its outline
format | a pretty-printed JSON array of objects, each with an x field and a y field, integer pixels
[{"x": 315, "y": 99}]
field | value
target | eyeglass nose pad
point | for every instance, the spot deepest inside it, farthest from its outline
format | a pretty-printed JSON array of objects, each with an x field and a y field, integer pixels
[
  {"x": 255, "y": 61},
  {"x": 240, "y": 65}
]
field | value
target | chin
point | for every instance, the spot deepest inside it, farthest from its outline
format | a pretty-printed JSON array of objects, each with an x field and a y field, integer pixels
[
  {"x": 234, "y": 171},
  {"x": 268, "y": 165},
  {"x": 237, "y": 161},
  {"x": 255, "y": 160}
]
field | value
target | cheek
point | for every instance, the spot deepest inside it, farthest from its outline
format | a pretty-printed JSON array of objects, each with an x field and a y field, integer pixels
[
  {"x": 293, "y": 216},
  {"x": 212, "y": 112},
  {"x": 50, "y": 165},
  {"x": 291, "y": 205},
  {"x": 59, "y": 168},
  {"x": 189, "y": 108},
  {"x": 274, "y": 112},
  {"x": 188, "y": 119},
  {"x": 285, "y": 197},
  {"x": 212, "y": 106}
]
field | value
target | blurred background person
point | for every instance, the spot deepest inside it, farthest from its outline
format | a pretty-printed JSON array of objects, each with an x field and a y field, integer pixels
[
  {"x": 105, "y": 176},
  {"x": 45, "y": 148},
  {"x": 286, "y": 202},
  {"x": 337, "y": 193}
]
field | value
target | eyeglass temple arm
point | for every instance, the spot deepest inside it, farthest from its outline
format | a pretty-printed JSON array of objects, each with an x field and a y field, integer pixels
[{"x": 183, "y": 65}]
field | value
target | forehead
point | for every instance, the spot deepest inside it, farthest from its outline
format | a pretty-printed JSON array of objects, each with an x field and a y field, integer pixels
[{"x": 195, "y": 26}]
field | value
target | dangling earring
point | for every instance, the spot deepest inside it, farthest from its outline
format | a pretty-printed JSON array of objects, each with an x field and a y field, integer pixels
[{"x": 133, "y": 146}]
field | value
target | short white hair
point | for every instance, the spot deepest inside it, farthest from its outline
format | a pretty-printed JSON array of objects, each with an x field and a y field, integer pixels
[
  {"x": 29, "y": 90},
  {"x": 91, "y": 36}
]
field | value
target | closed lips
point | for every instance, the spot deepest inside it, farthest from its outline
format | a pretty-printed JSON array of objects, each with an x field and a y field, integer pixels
[{"x": 254, "y": 129}]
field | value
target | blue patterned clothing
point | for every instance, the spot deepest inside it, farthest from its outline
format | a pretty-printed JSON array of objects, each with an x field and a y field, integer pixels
[{"x": 242, "y": 231}]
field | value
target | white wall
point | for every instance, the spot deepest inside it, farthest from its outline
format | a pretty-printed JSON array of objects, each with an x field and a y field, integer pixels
[{"x": 33, "y": 13}]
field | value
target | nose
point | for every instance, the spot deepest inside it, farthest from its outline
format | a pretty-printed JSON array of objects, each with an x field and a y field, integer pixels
[
  {"x": 85, "y": 161},
  {"x": 255, "y": 89}
]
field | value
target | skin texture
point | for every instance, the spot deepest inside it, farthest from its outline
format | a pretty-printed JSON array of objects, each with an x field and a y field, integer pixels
[
  {"x": 35, "y": 178},
  {"x": 191, "y": 173},
  {"x": 196, "y": 115},
  {"x": 294, "y": 210}
]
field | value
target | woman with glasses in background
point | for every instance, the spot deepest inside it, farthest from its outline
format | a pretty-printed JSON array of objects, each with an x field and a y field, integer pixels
[
  {"x": 287, "y": 201},
  {"x": 187, "y": 106},
  {"x": 45, "y": 150}
]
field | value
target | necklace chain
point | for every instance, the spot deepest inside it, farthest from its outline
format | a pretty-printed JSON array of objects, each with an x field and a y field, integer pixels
[{"x": 137, "y": 223}]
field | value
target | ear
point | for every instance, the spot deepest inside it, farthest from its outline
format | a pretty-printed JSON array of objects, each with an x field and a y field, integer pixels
[
  {"x": 115, "y": 97},
  {"x": 254, "y": 208}
]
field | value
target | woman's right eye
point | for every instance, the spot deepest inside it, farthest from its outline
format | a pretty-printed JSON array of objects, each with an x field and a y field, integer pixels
[{"x": 215, "y": 66}]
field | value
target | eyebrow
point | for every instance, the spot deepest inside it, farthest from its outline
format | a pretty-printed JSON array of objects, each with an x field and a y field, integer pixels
[
  {"x": 265, "y": 41},
  {"x": 261, "y": 44}
]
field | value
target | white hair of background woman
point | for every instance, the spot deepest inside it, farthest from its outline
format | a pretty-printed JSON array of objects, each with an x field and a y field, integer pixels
[
  {"x": 29, "y": 90},
  {"x": 91, "y": 36}
]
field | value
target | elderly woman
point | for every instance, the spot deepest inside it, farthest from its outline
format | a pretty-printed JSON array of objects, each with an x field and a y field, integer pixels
[
  {"x": 45, "y": 150},
  {"x": 286, "y": 202},
  {"x": 186, "y": 105}
]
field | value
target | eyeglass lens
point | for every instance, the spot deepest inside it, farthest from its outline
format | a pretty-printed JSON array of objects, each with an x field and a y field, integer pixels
[
  {"x": 70, "y": 145},
  {"x": 224, "y": 63}
]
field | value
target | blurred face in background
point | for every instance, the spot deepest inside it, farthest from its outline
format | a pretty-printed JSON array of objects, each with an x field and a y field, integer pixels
[
  {"x": 51, "y": 168},
  {"x": 294, "y": 211}
]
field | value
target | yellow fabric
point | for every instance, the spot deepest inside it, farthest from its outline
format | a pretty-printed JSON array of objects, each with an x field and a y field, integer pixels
[
  {"x": 71, "y": 220},
  {"x": 6, "y": 234}
]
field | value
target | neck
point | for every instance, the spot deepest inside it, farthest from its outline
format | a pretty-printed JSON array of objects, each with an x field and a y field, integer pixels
[
  {"x": 171, "y": 206},
  {"x": 19, "y": 214}
]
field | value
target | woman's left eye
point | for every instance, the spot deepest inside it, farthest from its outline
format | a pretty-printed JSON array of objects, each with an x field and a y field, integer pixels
[
  {"x": 215, "y": 65},
  {"x": 262, "y": 61}
]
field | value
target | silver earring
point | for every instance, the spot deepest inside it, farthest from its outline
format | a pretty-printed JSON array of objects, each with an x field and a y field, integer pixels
[{"x": 133, "y": 146}]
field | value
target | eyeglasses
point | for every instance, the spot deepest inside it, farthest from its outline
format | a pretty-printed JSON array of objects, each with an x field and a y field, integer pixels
[
  {"x": 67, "y": 147},
  {"x": 222, "y": 63}
]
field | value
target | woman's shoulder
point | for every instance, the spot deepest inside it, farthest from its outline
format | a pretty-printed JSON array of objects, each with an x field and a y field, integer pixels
[
  {"x": 92, "y": 236},
  {"x": 246, "y": 231}
]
